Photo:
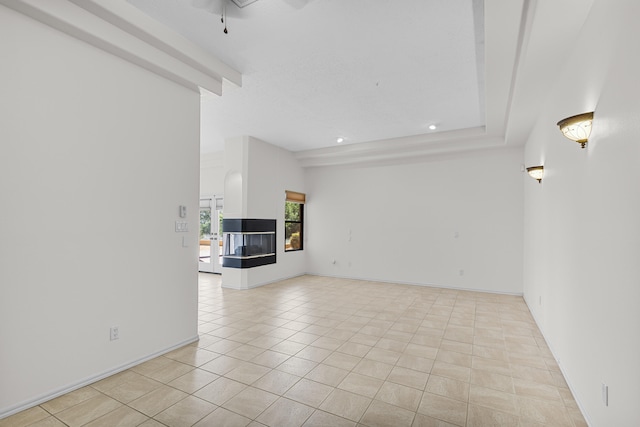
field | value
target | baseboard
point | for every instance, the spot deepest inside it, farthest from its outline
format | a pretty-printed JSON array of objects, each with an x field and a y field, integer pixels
[
  {"x": 5, "y": 412},
  {"x": 566, "y": 378},
  {"x": 265, "y": 283},
  {"x": 428, "y": 285}
]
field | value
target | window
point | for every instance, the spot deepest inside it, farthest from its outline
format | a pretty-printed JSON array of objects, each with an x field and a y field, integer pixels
[{"x": 293, "y": 221}]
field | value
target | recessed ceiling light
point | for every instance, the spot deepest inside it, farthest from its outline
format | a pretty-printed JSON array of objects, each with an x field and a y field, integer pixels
[
  {"x": 432, "y": 127},
  {"x": 339, "y": 140}
]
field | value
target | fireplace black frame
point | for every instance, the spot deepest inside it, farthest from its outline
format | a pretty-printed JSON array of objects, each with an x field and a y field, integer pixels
[{"x": 258, "y": 237}]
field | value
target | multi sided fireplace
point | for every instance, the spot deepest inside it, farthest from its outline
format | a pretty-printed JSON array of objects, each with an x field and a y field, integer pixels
[{"x": 248, "y": 243}]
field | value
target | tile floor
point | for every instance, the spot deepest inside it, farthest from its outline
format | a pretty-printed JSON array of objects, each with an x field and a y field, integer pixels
[{"x": 317, "y": 351}]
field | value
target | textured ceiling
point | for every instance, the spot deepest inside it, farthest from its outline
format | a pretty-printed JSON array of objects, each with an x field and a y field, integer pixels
[{"x": 316, "y": 70}]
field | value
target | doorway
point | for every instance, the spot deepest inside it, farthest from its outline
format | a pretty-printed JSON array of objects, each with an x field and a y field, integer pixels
[{"x": 210, "y": 253}]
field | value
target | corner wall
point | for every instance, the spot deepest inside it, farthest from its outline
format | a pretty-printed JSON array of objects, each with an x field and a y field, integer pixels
[
  {"x": 262, "y": 172},
  {"x": 451, "y": 220},
  {"x": 97, "y": 155},
  {"x": 582, "y": 228}
]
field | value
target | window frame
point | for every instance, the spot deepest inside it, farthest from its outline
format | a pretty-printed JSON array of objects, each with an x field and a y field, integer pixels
[{"x": 298, "y": 199}]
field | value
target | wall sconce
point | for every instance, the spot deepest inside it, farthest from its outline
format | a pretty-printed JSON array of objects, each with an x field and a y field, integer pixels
[
  {"x": 536, "y": 172},
  {"x": 577, "y": 128}
]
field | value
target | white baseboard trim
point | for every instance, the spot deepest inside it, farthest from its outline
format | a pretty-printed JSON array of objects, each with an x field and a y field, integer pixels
[
  {"x": 5, "y": 412},
  {"x": 257, "y": 285},
  {"x": 585, "y": 414},
  {"x": 429, "y": 285}
]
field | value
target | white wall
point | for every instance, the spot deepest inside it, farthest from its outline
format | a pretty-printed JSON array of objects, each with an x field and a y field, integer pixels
[
  {"x": 582, "y": 227},
  {"x": 212, "y": 173},
  {"x": 266, "y": 172},
  {"x": 96, "y": 156},
  {"x": 420, "y": 223}
]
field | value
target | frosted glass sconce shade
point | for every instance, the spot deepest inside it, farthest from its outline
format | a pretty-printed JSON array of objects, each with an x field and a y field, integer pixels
[
  {"x": 577, "y": 128},
  {"x": 536, "y": 172}
]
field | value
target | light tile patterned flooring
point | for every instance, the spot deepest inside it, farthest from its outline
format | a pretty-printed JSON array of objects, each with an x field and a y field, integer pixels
[{"x": 317, "y": 351}]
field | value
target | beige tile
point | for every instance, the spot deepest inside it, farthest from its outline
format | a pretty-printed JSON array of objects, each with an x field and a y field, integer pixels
[
  {"x": 361, "y": 384},
  {"x": 427, "y": 340},
  {"x": 326, "y": 374},
  {"x": 421, "y": 420},
  {"x": 485, "y": 417},
  {"x": 193, "y": 380},
  {"x": 88, "y": 410},
  {"x": 542, "y": 376},
  {"x": 448, "y": 387},
  {"x": 577, "y": 417},
  {"x": 342, "y": 361},
  {"x": 392, "y": 345},
  {"x": 158, "y": 400},
  {"x": 495, "y": 399},
  {"x": 492, "y": 365},
  {"x": 245, "y": 352},
  {"x": 309, "y": 392},
  {"x": 382, "y": 355},
  {"x": 448, "y": 370},
  {"x": 247, "y": 373},
  {"x": 186, "y": 412},
  {"x": 223, "y": 418},
  {"x": 544, "y": 412},
  {"x": 220, "y": 390},
  {"x": 346, "y": 404},
  {"x": 415, "y": 362},
  {"x": 456, "y": 346},
  {"x": 265, "y": 342},
  {"x": 354, "y": 349},
  {"x": 408, "y": 377},
  {"x": 328, "y": 343},
  {"x": 490, "y": 353},
  {"x": 381, "y": 414},
  {"x": 276, "y": 382},
  {"x": 364, "y": 339},
  {"x": 443, "y": 408},
  {"x": 373, "y": 368},
  {"x": 454, "y": 358},
  {"x": 399, "y": 395},
  {"x": 536, "y": 390},
  {"x": 285, "y": 412},
  {"x": 115, "y": 380},
  {"x": 297, "y": 366},
  {"x": 288, "y": 347},
  {"x": 25, "y": 418},
  {"x": 223, "y": 346},
  {"x": 533, "y": 361},
  {"x": 270, "y": 359},
  {"x": 70, "y": 399},
  {"x": 193, "y": 356},
  {"x": 325, "y": 419},
  {"x": 423, "y": 351},
  {"x": 250, "y": 402},
  {"x": 170, "y": 371},
  {"x": 221, "y": 365},
  {"x": 492, "y": 380},
  {"x": 124, "y": 416},
  {"x": 315, "y": 354},
  {"x": 151, "y": 365},
  {"x": 304, "y": 337},
  {"x": 49, "y": 422},
  {"x": 133, "y": 389}
]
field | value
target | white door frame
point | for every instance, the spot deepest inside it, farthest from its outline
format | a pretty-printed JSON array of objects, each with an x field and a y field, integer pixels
[{"x": 214, "y": 265}]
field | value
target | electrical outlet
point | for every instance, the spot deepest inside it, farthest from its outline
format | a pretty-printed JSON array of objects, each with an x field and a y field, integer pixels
[
  {"x": 540, "y": 300},
  {"x": 461, "y": 272},
  {"x": 605, "y": 394},
  {"x": 115, "y": 333}
]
